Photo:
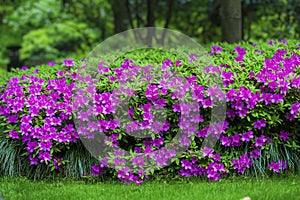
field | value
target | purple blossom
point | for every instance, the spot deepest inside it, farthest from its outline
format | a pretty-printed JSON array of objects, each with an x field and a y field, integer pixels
[
  {"x": 14, "y": 134},
  {"x": 167, "y": 63},
  {"x": 217, "y": 158},
  {"x": 247, "y": 136},
  {"x": 255, "y": 153},
  {"x": 23, "y": 68},
  {"x": 186, "y": 164},
  {"x": 44, "y": 156},
  {"x": 227, "y": 78},
  {"x": 203, "y": 132},
  {"x": 33, "y": 161},
  {"x": 275, "y": 166},
  {"x": 215, "y": 50},
  {"x": 260, "y": 141},
  {"x": 271, "y": 42},
  {"x": 178, "y": 63},
  {"x": 184, "y": 141},
  {"x": 192, "y": 57},
  {"x": 295, "y": 108},
  {"x": 242, "y": 163},
  {"x": 235, "y": 140},
  {"x": 158, "y": 142},
  {"x": 260, "y": 124},
  {"x": 95, "y": 170},
  {"x": 45, "y": 145},
  {"x": 12, "y": 119},
  {"x": 208, "y": 152},
  {"x": 102, "y": 69},
  {"x": 68, "y": 62},
  {"x": 213, "y": 175},
  {"x": 58, "y": 163},
  {"x": 241, "y": 53},
  {"x": 138, "y": 161},
  {"x": 284, "y": 135},
  {"x": 284, "y": 42},
  {"x": 215, "y": 93},
  {"x": 51, "y": 63},
  {"x": 225, "y": 141}
]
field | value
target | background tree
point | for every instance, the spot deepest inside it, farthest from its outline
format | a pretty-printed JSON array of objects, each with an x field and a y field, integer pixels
[
  {"x": 51, "y": 30},
  {"x": 231, "y": 20}
]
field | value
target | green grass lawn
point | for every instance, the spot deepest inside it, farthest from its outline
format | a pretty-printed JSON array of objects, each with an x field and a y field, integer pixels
[{"x": 275, "y": 188}]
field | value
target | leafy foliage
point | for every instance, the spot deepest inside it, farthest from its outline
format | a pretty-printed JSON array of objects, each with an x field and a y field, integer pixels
[{"x": 258, "y": 136}]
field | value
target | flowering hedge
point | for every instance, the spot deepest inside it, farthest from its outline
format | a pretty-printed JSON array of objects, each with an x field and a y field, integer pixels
[{"x": 261, "y": 85}]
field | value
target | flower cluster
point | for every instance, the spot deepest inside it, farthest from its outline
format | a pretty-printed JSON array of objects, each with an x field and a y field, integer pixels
[
  {"x": 277, "y": 166},
  {"x": 39, "y": 112}
]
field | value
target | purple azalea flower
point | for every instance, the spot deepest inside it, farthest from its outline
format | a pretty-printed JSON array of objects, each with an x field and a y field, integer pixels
[
  {"x": 225, "y": 141},
  {"x": 241, "y": 53},
  {"x": 184, "y": 141},
  {"x": 227, "y": 78},
  {"x": 208, "y": 152},
  {"x": 203, "y": 132},
  {"x": 95, "y": 170},
  {"x": 192, "y": 57},
  {"x": 44, "y": 156},
  {"x": 284, "y": 135},
  {"x": 235, "y": 140},
  {"x": 260, "y": 141},
  {"x": 138, "y": 161},
  {"x": 178, "y": 63},
  {"x": 271, "y": 42},
  {"x": 187, "y": 165},
  {"x": 33, "y": 161},
  {"x": 23, "y": 68},
  {"x": 30, "y": 147},
  {"x": 255, "y": 153},
  {"x": 284, "y": 42},
  {"x": 247, "y": 136},
  {"x": 51, "y": 63},
  {"x": 45, "y": 145},
  {"x": 242, "y": 163},
  {"x": 158, "y": 142},
  {"x": 295, "y": 108},
  {"x": 215, "y": 50},
  {"x": 217, "y": 158},
  {"x": 68, "y": 62},
  {"x": 212, "y": 175},
  {"x": 12, "y": 119},
  {"x": 57, "y": 162},
  {"x": 14, "y": 134},
  {"x": 275, "y": 166},
  {"x": 260, "y": 124}
]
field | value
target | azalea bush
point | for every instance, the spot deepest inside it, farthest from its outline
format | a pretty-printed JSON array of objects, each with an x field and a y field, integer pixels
[{"x": 45, "y": 113}]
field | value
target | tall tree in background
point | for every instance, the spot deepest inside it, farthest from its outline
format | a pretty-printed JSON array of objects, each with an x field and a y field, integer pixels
[
  {"x": 120, "y": 15},
  {"x": 231, "y": 20}
]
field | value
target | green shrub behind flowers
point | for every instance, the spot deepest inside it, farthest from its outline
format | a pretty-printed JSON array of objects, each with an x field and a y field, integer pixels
[{"x": 260, "y": 84}]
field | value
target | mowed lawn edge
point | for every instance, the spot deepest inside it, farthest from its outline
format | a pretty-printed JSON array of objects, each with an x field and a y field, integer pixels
[{"x": 271, "y": 188}]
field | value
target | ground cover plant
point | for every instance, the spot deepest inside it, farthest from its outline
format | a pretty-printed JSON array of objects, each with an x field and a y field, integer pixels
[{"x": 260, "y": 84}]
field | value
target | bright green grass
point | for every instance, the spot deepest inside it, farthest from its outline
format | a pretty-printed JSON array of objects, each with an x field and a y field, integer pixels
[{"x": 233, "y": 188}]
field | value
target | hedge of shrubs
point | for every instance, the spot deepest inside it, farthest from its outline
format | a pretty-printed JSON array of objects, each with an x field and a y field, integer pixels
[{"x": 260, "y": 85}]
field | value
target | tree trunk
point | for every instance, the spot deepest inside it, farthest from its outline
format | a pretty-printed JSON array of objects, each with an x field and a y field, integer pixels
[
  {"x": 150, "y": 13},
  {"x": 120, "y": 15},
  {"x": 231, "y": 20},
  {"x": 150, "y": 22}
]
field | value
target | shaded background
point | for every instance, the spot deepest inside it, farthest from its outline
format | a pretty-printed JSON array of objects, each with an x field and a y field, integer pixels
[{"x": 37, "y": 31}]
